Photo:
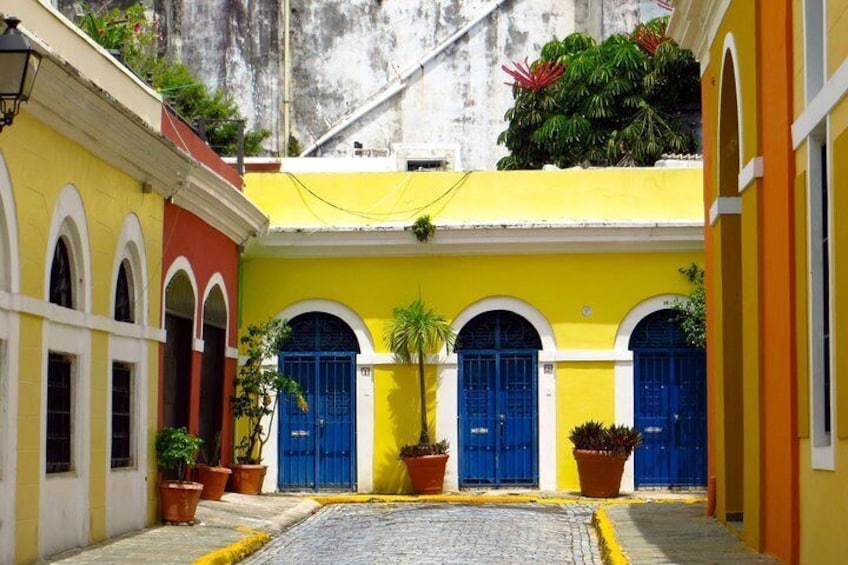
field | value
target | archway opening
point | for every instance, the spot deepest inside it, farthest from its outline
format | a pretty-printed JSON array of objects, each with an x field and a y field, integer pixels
[
  {"x": 317, "y": 449},
  {"x": 727, "y": 272},
  {"x": 179, "y": 326},
  {"x": 212, "y": 375},
  {"x": 498, "y": 404}
]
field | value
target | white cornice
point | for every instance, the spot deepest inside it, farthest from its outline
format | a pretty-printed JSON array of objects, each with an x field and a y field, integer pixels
[
  {"x": 694, "y": 24},
  {"x": 482, "y": 239}
]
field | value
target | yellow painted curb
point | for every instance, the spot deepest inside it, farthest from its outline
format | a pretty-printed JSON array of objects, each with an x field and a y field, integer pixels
[
  {"x": 469, "y": 499},
  {"x": 236, "y": 552},
  {"x": 611, "y": 551}
]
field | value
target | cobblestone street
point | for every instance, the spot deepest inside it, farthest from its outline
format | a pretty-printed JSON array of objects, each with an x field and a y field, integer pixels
[{"x": 438, "y": 533}]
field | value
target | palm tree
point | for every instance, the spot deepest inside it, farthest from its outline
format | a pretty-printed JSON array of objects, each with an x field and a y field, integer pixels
[{"x": 413, "y": 332}]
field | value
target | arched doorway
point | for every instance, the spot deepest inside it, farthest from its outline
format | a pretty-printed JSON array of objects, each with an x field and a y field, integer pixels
[
  {"x": 498, "y": 405},
  {"x": 669, "y": 404},
  {"x": 726, "y": 268},
  {"x": 212, "y": 374},
  {"x": 317, "y": 448},
  {"x": 179, "y": 328}
]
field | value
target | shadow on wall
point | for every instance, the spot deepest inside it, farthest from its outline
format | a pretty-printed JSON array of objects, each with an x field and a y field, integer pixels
[{"x": 397, "y": 416}]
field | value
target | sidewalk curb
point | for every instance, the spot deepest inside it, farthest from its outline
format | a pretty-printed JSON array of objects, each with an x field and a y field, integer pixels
[
  {"x": 611, "y": 551},
  {"x": 235, "y": 552},
  {"x": 484, "y": 499}
]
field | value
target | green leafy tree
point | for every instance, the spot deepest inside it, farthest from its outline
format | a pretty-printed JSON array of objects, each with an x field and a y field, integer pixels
[
  {"x": 625, "y": 101},
  {"x": 691, "y": 314},
  {"x": 136, "y": 39},
  {"x": 414, "y": 332},
  {"x": 258, "y": 387}
]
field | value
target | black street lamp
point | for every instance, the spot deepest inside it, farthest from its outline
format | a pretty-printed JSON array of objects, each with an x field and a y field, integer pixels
[{"x": 18, "y": 66}]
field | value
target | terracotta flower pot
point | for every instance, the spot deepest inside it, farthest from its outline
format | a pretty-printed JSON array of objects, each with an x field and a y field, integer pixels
[
  {"x": 178, "y": 500},
  {"x": 427, "y": 473},
  {"x": 600, "y": 473},
  {"x": 214, "y": 480},
  {"x": 247, "y": 479}
]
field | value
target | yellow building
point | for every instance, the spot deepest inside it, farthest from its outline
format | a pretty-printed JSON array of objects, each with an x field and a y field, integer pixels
[
  {"x": 774, "y": 79},
  {"x": 84, "y": 173},
  {"x": 545, "y": 276}
]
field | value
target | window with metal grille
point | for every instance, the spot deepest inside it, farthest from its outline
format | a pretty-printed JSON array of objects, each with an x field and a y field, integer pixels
[
  {"x": 61, "y": 276},
  {"x": 59, "y": 417},
  {"x": 121, "y": 415},
  {"x": 824, "y": 243},
  {"x": 320, "y": 332},
  {"x": 659, "y": 330},
  {"x": 124, "y": 303},
  {"x": 498, "y": 329}
]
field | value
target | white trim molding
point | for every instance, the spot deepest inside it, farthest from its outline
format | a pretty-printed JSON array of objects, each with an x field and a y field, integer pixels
[
  {"x": 819, "y": 107},
  {"x": 69, "y": 222},
  {"x": 729, "y": 46},
  {"x": 181, "y": 263},
  {"x": 752, "y": 171},
  {"x": 131, "y": 247},
  {"x": 624, "y": 395},
  {"x": 694, "y": 24},
  {"x": 447, "y": 390},
  {"x": 724, "y": 206},
  {"x": 10, "y": 269},
  {"x": 351, "y": 318},
  {"x": 9, "y": 354},
  {"x": 481, "y": 239}
]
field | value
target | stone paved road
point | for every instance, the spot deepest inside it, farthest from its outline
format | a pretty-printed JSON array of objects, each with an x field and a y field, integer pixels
[{"x": 438, "y": 533}]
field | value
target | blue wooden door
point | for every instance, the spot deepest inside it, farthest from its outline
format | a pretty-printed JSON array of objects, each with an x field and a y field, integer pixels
[
  {"x": 497, "y": 418},
  {"x": 317, "y": 447},
  {"x": 670, "y": 405}
]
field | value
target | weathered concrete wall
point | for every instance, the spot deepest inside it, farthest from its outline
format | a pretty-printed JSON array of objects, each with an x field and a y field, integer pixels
[{"x": 346, "y": 52}]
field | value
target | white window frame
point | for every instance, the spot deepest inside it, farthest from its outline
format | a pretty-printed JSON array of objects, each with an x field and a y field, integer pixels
[
  {"x": 822, "y": 443},
  {"x": 815, "y": 47},
  {"x": 133, "y": 369}
]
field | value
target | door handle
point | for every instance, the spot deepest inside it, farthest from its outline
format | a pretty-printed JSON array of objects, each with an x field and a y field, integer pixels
[
  {"x": 501, "y": 419},
  {"x": 676, "y": 418},
  {"x": 321, "y": 423}
]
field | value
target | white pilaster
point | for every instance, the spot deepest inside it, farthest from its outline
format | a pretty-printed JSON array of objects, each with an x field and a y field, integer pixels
[
  {"x": 364, "y": 427},
  {"x": 447, "y": 421}
]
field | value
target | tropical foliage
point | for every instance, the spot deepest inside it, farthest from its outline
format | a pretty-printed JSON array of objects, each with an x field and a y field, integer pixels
[
  {"x": 691, "y": 314},
  {"x": 613, "y": 439},
  {"x": 414, "y": 332},
  {"x": 176, "y": 449},
  {"x": 258, "y": 387},
  {"x": 136, "y": 39},
  {"x": 625, "y": 101}
]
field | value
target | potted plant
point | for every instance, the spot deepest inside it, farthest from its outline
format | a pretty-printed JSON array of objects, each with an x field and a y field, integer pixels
[
  {"x": 211, "y": 474},
  {"x": 414, "y": 332},
  {"x": 600, "y": 453},
  {"x": 257, "y": 392},
  {"x": 176, "y": 450}
]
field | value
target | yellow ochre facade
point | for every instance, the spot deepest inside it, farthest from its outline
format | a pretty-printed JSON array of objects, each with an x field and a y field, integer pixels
[{"x": 582, "y": 255}]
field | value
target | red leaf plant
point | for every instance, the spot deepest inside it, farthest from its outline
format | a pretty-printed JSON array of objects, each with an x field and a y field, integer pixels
[
  {"x": 535, "y": 76},
  {"x": 650, "y": 37}
]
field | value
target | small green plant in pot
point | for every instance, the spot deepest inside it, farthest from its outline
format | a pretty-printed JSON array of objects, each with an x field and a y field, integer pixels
[
  {"x": 414, "y": 332},
  {"x": 176, "y": 451},
  {"x": 258, "y": 387},
  {"x": 600, "y": 452}
]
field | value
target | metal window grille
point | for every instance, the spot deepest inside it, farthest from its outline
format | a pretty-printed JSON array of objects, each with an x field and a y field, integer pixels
[
  {"x": 825, "y": 288},
  {"x": 659, "y": 330},
  {"x": 320, "y": 332},
  {"x": 498, "y": 329},
  {"x": 124, "y": 307},
  {"x": 61, "y": 277},
  {"x": 59, "y": 418},
  {"x": 121, "y": 415}
]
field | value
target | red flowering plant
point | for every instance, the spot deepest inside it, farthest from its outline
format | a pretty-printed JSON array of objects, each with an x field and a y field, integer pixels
[
  {"x": 126, "y": 31},
  {"x": 535, "y": 76}
]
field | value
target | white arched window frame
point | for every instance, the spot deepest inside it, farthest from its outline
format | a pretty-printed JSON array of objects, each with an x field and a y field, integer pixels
[
  {"x": 181, "y": 263},
  {"x": 131, "y": 249},
  {"x": 216, "y": 280},
  {"x": 69, "y": 224},
  {"x": 447, "y": 390}
]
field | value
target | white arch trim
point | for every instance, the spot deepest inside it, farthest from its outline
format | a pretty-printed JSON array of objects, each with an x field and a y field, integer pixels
[
  {"x": 351, "y": 318},
  {"x": 9, "y": 215},
  {"x": 624, "y": 399},
  {"x": 181, "y": 263},
  {"x": 447, "y": 390},
  {"x": 69, "y": 220},
  {"x": 528, "y": 312},
  {"x": 730, "y": 46},
  {"x": 216, "y": 279},
  {"x": 131, "y": 247}
]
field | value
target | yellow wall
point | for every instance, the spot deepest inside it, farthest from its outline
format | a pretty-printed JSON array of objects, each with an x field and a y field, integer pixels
[
  {"x": 40, "y": 164},
  {"x": 557, "y": 285},
  {"x": 482, "y": 197}
]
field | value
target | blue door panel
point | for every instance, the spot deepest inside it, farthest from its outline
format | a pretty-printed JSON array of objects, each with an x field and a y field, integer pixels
[
  {"x": 317, "y": 448},
  {"x": 670, "y": 412},
  {"x": 498, "y": 424}
]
